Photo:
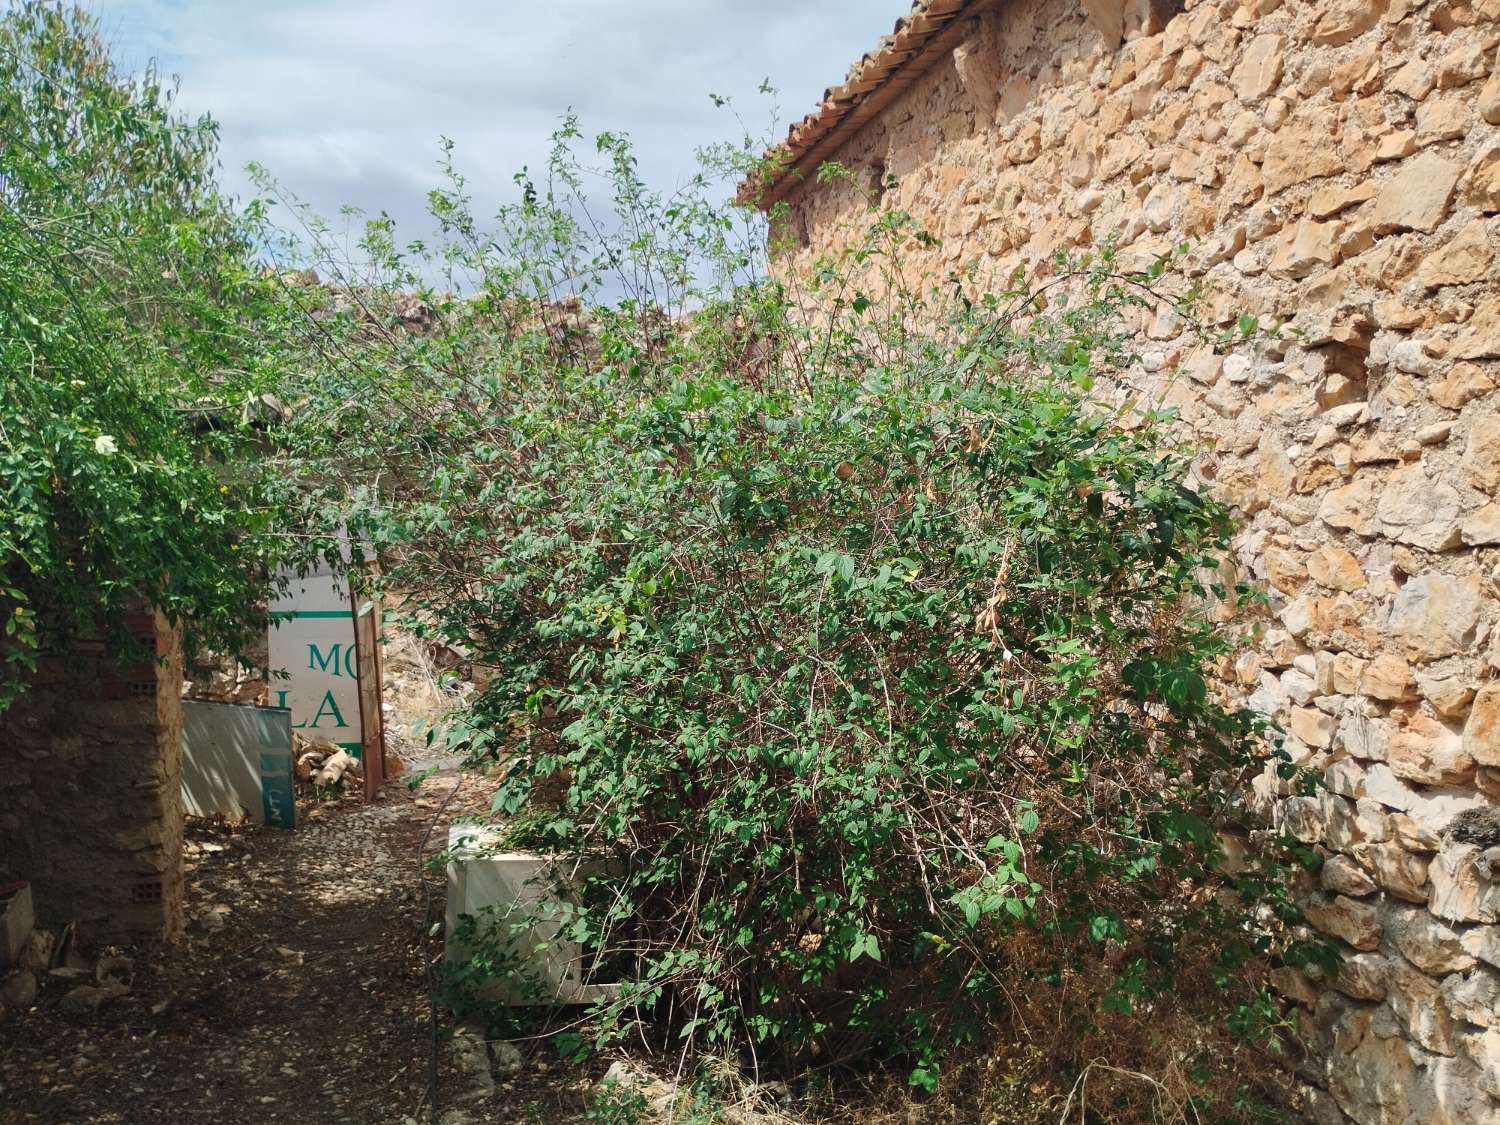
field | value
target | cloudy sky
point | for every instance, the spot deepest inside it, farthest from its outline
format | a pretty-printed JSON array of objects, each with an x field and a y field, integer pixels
[{"x": 344, "y": 101}]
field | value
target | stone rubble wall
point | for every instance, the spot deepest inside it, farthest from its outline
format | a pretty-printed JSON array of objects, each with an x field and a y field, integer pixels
[
  {"x": 91, "y": 790},
  {"x": 1334, "y": 164}
]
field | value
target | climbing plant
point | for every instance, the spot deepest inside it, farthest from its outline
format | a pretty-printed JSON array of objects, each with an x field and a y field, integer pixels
[
  {"x": 128, "y": 369},
  {"x": 854, "y": 648}
]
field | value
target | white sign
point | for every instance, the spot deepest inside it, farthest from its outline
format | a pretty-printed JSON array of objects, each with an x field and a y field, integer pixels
[{"x": 314, "y": 671}]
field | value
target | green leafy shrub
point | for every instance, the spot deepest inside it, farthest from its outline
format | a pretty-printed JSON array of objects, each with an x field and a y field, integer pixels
[
  {"x": 127, "y": 302},
  {"x": 863, "y": 646}
]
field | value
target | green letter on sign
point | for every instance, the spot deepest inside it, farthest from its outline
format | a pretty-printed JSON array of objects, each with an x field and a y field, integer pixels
[
  {"x": 328, "y": 705},
  {"x": 329, "y": 663}
]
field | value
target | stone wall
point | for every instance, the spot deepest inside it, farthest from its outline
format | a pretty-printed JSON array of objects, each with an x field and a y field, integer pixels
[
  {"x": 1335, "y": 164},
  {"x": 90, "y": 790}
]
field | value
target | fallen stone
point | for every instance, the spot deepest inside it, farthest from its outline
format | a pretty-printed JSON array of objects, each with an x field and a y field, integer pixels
[
  {"x": 86, "y": 999},
  {"x": 506, "y": 1058},
  {"x": 333, "y": 770},
  {"x": 19, "y": 990}
]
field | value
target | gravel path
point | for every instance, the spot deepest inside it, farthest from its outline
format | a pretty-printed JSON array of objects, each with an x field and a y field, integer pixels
[{"x": 299, "y": 993}]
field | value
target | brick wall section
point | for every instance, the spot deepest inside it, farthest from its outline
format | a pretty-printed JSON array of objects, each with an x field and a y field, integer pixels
[
  {"x": 1336, "y": 164},
  {"x": 90, "y": 791}
]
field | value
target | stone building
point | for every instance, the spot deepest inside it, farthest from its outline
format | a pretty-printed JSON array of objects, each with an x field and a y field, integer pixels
[
  {"x": 90, "y": 788},
  {"x": 1334, "y": 164}
]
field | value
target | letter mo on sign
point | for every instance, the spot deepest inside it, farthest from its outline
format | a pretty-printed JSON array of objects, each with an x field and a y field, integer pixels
[{"x": 314, "y": 670}]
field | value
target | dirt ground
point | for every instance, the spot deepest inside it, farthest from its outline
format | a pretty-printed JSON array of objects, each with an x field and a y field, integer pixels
[{"x": 300, "y": 992}]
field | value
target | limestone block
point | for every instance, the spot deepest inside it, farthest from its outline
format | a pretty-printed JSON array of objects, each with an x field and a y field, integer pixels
[
  {"x": 1415, "y": 1000},
  {"x": 1463, "y": 383},
  {"x": 1336, "y": 568},
  {"x": 1417, "y": 509},
  {"x": 1259, "y": 70},
  {"x": 1304, "y": 148},
  {"x": 1482, "y": 527},
  {"x": 1482, "y": 731},
  {"x": 1459, "y": 893},
  {"x": 1467, "y": 258},
  {"x": 1482, "y": 180},
  {"x": 1450, "y": 1092},
  {"x": 1482, "y": 455},
  {"x": 1341, "y": 21},
  {"x": 1292, "y": 984},
  {"x": 1298, "y": 686},
  {"x": 1387, "y": 678},
  {"x": 1306, "y": 247},
  {"x": 1416, "y": 79},
  {"x": 1467, "y": 61},
  {"x": 1348, "y": 919},
  {"x": 1436, "y": 615},
  {"x": 1369, "y": 1076},
  {"x": 1400, "y": 872},
  {"x": 1350, "y": 508},
  {"x": 1342, "y": 876},
  {"x": 1362, "y": 976},
  {"x": 1417, "y": 197},
  {"x": 1363, "y": 734},
  {"x": 1474, "y": 997},
  {"x": 1442, "y": 119},
  {"x": 1424, "y": 750},
  {"x": 1346, "y": 777},
  {"x": 1482, "y": 1048},
  {"x": 1412, "y": 835},
  {"x": 1448, "y": 691},
  {"x": 1488, "y": 104},
  {"x": 1302, "y": 819},
  {"x": 1483, "y": 942},
  {"x": 1312, "y": 726},
  {"x": 1425, "y": 941},
  {"x": 1480, "y": 338}
]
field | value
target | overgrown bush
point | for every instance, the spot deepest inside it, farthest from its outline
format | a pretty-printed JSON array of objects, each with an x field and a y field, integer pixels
[
  {"x": 859, "y": 646},
  {"x": 129, "y": 356}
]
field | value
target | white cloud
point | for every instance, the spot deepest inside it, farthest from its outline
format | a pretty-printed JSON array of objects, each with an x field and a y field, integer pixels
[{"x": 344, "y": 101}]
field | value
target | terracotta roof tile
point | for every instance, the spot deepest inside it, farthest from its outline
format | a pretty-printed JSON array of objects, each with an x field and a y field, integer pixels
[{"x": 921, "y": 38}]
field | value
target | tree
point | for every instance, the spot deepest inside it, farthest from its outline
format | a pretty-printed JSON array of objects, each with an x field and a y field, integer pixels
[{"x": 127, "y": 363}]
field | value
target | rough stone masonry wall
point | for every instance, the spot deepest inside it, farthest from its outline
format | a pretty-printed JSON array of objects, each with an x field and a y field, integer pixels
[
  {"x": 1336, "y": 164},
  {"x": 90, "y": 790}
]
